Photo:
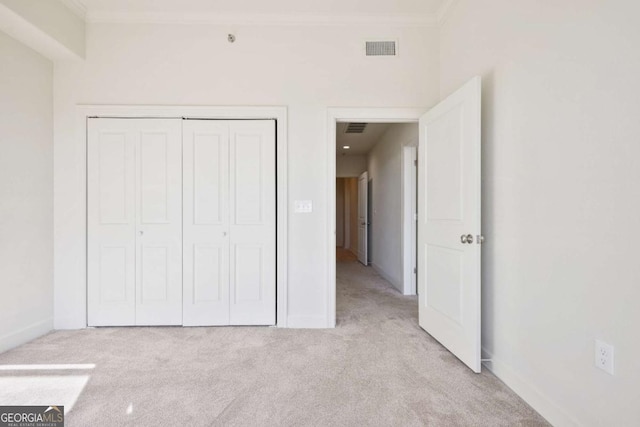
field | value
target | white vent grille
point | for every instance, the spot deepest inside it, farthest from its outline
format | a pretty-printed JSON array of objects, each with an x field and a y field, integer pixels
[
  {"x": 355, "y": 128},
  {"x": 381, "y": 48}
]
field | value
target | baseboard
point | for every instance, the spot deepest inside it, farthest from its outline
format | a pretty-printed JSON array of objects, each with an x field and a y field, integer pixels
[
  {"x": 26, "y": 334},
  {"x": 307, "y": 322},
  {"x": 529, "y": 393},
  {"x": 386, "y": 277},
  {"x": 68, "y": 323}
]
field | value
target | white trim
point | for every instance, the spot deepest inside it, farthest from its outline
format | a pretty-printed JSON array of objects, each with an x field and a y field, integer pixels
[
  {"x": 529, "y": 393},
  {"x": 204, "y": 112},
  {"x": 121, "y": 17},
  {"x": 26, "y": 334},
  {"x": 409, "y": 222},
  {"x": 77, "y": 7},
  {"x": 307, "y": 322},
  {"x": 334, "y": 115},
  {"x": 445, "y": 11}
]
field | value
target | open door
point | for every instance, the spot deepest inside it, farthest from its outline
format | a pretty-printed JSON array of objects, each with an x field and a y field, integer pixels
[
  {"x": 363, "y": 217},
  {"x": 449, "y": 233}
]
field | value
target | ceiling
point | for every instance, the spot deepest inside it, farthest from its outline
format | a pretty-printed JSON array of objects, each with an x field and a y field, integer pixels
[
  {"x": 360, "y": 143},
  {"x": 101, "y": 10},
  {"x": 310, "y": 7}
]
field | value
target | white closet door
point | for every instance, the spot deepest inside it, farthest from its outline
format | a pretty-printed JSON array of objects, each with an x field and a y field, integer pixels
[
  {"x": 252, "y": 172},
  {"x": 134, "y": 222},
  {"x": 159, "y": 222},
  {"x": 111, "y": 223},
  {"x": 206, "y": 222}
]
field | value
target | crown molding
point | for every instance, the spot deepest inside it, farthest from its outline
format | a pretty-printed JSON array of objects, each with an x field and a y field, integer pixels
[
  {"x": 77, "y": 7},
  {"x": 445, "y": 11},
  {"x": 430, "y": 20}
]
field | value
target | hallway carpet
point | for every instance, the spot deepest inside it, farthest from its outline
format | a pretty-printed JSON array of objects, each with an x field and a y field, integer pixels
[{"x": 377, "y": 367}]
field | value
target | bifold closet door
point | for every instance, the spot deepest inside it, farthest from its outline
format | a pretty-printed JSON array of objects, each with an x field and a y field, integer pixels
[
  {"x": 205, "y": 150},
  {"x": 229, "y": 222},
  {"x": 134, "y": 220}
]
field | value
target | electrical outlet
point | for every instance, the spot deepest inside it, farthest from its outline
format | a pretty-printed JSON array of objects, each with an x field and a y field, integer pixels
[{"x": 604, "y": 356}]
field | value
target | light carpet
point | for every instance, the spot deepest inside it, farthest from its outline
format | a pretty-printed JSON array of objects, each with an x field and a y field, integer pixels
[{"x": 377, "y": 367}]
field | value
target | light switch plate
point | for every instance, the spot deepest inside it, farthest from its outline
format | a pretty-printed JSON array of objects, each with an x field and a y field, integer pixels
[{"x": 303, "y": 206}]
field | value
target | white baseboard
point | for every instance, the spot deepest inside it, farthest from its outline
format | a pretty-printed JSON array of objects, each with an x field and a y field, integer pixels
[
  {"x": 68, "y": 323},
  {"x": 307, "y": 322},
  {"x": 546, "y": 407},
  {"x": 388, "y": 278},
  {"x": 26, "y": 334}
]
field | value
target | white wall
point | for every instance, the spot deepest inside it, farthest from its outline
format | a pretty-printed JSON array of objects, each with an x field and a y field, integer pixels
[
  {"x": 561, "y": 196},
  {"x": 349, "y": 166},
  {"x": 48, "y": 27},
  {"x": 385, "y": 174},
  {"x": 26, "y": 194},
  {"x": 306, "y": 68}
]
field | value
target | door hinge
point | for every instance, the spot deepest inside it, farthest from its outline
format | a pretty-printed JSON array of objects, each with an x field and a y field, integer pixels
[
  {"x": 415, "y": 270},
  {"x": 415, "y": 162}
]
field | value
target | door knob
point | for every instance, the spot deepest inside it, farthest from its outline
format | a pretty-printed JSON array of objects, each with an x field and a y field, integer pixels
[{"x": 466, "y": 238}]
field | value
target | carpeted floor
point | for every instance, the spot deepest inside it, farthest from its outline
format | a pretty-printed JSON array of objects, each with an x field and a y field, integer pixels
[{"x": 376, "y": 368}]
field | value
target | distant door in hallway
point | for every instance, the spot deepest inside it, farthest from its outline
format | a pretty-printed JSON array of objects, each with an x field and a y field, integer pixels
[
  {"x": 449, "y": 223},
  {"x": 363, "y": 218}
]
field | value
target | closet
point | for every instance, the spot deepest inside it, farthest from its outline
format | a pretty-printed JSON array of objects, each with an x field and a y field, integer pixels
[{"x": 181, "y": 222}]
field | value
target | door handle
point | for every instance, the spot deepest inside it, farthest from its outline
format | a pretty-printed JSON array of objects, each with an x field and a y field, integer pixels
[{"x": 466, "y": 238}]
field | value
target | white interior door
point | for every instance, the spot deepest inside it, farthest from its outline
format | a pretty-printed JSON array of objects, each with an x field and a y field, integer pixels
[
  {"x": 363, "y": 217},
  {"x": 252, "y": 222},
  {"x": 134, "y": 222},
  {"x": 229, "y": 222},
  {"x": 159, "y": 222},
  {"x": 111, "y": 223},
  {"x": 449, "y": 223},
  {"x": 206, "y": 222}
]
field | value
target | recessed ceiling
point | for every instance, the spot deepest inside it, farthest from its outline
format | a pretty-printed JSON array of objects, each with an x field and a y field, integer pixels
[
  {"x": 272, "y": 7},
  {"x": 359, "y": 143}
]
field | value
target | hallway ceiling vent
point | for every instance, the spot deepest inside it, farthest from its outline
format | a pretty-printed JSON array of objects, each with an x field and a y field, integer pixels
[
  {"x": 355, "y": 128},
  {"x": 381, "y": 48}
]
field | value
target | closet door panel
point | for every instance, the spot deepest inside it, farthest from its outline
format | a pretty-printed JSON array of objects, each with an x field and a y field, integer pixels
[
  {"x": 253, "y": 222},
  {"x": 159, "y": 222},
  {"x": 110, "y": 223},
  {"x": 206, "y": 222}
]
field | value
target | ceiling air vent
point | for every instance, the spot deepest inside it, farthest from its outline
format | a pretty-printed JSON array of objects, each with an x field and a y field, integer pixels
[
  {"x": 381, "y": 48},
  {"x": 355, "y": 128}
]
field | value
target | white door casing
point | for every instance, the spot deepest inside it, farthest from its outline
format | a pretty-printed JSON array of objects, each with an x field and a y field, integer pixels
[
  {"x": 134, "y": 222},
  {"x": 449, "y": 202},
  {"x": 363, "y": 218}
]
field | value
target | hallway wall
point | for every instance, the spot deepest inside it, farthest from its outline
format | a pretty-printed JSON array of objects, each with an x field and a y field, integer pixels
[{"x": 385, "y": 175}]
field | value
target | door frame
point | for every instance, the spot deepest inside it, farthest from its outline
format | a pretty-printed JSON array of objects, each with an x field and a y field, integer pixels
[
  {"x": 337, "y": 115},
  {"x": 409, "y": 214},
  {"x": 278, "y": 113}
]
